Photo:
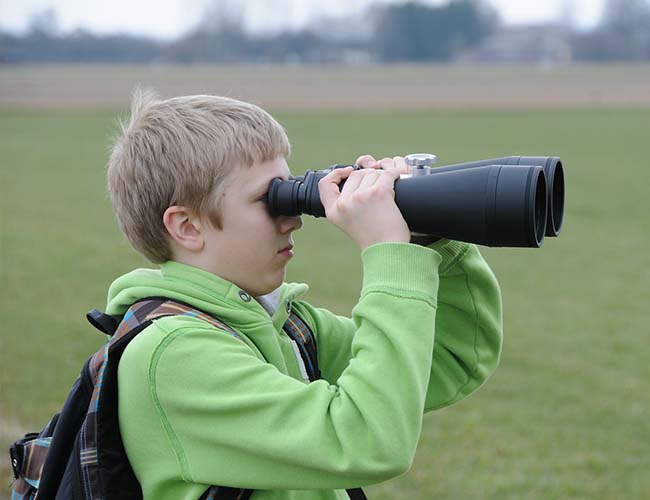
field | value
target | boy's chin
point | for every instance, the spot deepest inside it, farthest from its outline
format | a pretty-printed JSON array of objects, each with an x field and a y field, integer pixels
[
  {"x": 259, "y": 292},
  {"x": 268, "y": 287}
]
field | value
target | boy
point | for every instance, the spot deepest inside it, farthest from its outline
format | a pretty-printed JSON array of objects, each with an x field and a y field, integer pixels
[{"x": 198, "y": 406}]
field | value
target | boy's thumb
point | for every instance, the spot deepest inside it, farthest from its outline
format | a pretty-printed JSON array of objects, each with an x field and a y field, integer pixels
[{"x": 328, "y": 186}]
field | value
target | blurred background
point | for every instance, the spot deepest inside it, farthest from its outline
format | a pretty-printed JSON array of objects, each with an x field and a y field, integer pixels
[{"x": 566, "y": 415}]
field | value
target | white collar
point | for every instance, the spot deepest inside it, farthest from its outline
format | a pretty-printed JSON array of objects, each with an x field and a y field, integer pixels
[{"x": 270, "y": 301}]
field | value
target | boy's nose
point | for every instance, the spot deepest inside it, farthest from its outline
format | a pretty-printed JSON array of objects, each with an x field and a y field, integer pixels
[{"x": 288, "y": 224}]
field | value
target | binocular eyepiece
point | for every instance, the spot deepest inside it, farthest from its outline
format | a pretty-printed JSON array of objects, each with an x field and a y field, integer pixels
[{"x": 514, "y": 201}]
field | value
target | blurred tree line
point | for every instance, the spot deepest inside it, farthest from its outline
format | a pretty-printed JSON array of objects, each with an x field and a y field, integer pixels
[
  {"x": 410, "y": 31},
  {"x": 623, "y": 33}
]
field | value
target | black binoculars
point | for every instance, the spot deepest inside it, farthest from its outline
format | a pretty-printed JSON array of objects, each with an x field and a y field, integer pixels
[{"x": 512, "y": 201}]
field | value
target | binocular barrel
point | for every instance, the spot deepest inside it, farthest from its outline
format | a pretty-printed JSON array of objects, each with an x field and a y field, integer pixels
[
  {"x": 502, "y": 202},
  {"x": 491, "y": 205},
  {"x": 554, "y": 182}
]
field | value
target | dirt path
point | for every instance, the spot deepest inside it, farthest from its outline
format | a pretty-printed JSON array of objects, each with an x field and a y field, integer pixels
[{"x": 334, "y": 87}]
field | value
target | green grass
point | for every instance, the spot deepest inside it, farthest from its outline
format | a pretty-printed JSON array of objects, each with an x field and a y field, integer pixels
[{"x": 567, "y": 414}]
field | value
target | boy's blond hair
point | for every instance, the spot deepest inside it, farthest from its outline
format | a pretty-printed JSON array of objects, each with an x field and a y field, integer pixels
[{"x": 178, "y": 152}]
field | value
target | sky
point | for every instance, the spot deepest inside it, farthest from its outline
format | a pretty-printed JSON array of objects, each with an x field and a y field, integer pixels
[{"x": 170, "y": 18}]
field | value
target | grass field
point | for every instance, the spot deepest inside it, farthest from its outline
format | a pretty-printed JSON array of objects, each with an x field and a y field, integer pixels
[{"x": 567, "y": 414}]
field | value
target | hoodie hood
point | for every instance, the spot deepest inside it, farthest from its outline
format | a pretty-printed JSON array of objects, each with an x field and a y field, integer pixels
[{"x": 206, "y": 292}]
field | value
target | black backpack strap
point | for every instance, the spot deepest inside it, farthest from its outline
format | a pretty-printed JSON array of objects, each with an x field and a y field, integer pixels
[
  {"x": 104, "y": 468},
  {"x": 356, "y": 494}
]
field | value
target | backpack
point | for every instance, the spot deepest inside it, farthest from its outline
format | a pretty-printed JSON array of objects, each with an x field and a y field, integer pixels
[{"x": 79, "y": 454}]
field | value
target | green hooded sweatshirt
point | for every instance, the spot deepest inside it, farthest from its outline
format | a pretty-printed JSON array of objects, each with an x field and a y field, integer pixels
[{"x": 198, "y": 406}]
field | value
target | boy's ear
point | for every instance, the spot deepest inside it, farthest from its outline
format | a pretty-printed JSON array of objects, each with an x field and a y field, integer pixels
[{"x": 184, "y": 227}]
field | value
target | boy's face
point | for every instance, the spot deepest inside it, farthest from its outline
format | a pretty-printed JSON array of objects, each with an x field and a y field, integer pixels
[{"x": 252, "y": 249}]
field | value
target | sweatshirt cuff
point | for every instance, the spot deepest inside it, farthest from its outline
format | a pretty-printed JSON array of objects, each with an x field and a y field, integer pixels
[
  {"x": 411, "y": 270},
  {"x": 451, "y": 252}
]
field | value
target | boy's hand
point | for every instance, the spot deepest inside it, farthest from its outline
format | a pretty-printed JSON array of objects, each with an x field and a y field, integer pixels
[{"x": 365, "y": 208}]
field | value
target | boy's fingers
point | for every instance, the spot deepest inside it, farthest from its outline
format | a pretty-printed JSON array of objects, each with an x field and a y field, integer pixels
[
  {"x": 338, "y": 174},
  {"x": 387, "y": 163},
  {"x": 370, "y": 178},
  {"x": 328, "y": 186},
  {"x": 400, "y": 164},
  {"x": 388, "y": 178},
  {"x": 367, "y": 161},
  {"x": 396, "y": 163},
  {"x": 353, "y": 181}
]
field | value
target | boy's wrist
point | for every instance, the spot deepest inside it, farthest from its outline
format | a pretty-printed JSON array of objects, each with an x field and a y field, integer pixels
[{"x": 397, "y": 238}]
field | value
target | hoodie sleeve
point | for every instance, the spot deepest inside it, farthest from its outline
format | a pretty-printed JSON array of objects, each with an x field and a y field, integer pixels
[
  {"x": 468, "y": 327},
  {"x": 230, "y": 418}
]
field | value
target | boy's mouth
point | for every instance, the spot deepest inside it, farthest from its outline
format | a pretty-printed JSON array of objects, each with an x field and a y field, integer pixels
[{"x": 286, "y": 252}]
